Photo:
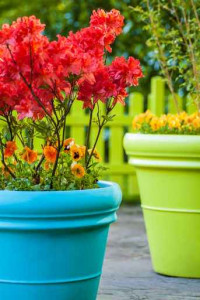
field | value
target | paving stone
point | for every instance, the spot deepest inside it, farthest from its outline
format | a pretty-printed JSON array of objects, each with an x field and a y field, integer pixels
[{"x": 127, "y": 271}]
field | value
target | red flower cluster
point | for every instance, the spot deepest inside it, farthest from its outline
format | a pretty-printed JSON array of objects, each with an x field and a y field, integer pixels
[
  {"x": 23, "y": 61},
  {"x": 110, "y": 23},
  {"x": 34, "y": 70},
  {"x": 111, "y": 82}
]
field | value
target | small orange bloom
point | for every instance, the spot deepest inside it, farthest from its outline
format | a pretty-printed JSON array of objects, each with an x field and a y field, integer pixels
[
  {"x": 50, "y": 153},
  {"x": 78, "y": 170},
  {"x": 29, "y": 155},
  {"x": 47, "y": 165},
  {"x": 83, "y": 149},
  {"x": 67, "y": 144},
  {"x": 95, "y": 154},
  {"x": 6, "y": 172},
  {"x": 11, "y": 147},
  {"x": 76, "y": 153}
]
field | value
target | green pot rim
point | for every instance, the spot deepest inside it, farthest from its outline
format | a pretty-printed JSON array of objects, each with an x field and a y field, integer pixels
[{"x": 162, "y": 145}]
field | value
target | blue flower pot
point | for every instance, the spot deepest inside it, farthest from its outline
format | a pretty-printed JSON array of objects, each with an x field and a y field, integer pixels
[{"x": 52, "y": 244}]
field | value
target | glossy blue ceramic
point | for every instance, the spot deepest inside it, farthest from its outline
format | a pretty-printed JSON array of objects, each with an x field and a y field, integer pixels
[{"x": 52, "y": 244}]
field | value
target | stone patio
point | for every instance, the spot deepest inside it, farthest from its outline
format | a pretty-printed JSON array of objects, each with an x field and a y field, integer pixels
[{"x": 127, "y": 272}]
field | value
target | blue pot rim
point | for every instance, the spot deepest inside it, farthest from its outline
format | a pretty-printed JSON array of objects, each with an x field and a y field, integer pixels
[{"x": 60, "y": 204}]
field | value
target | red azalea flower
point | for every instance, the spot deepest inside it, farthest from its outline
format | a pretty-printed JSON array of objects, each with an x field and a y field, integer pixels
[
  {"x": 101, "y": 89},
  {"x": 110, "y": 22},
  {"x": 125, "y": 72}
]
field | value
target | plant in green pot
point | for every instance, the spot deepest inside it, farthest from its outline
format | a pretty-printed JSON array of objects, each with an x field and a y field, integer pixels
[
  {"x": 54, "y": 211},
  {"x": 165, "y": 150}
]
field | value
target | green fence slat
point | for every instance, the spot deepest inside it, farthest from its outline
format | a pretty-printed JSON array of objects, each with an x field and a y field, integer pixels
[
  {"x": 136, "y": 104},
  {"x": 116, "y": 152},
  {"x": 94, "y": 131},
  {"x": 77, "y": 131},
  {"x": 156, "y": 100},
  {"x": 101, "y": 142},
  {"x": 190, "y": 106},
  {"x": 172, "y": 108}
]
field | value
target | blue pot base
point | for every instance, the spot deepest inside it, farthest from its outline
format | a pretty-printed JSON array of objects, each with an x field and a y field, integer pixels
[{"x": 80, "y": 290}]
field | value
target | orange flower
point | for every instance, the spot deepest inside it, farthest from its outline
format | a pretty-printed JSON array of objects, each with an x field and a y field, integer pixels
[
  {"x": 11, "y": 147},
  {"x": 6, "y": 172},
  {"x": 76, "y": 152},
  {"x": 50, "y": 153},
  {"x": 47, "y": 165},
  {"x": 67, "y": 144},
  {"x": 29, "y": 155},
  {"x": 78, "y": 170},
  {"x": 83, "y": 149},
  {"x": 95, "y": 154}
]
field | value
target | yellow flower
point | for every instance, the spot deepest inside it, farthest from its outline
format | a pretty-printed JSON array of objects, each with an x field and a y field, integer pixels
[
  {"x": 95, "y": 154},
  {"x": 182, "y": 116},
  {"x": 136, "y": 125},
  {"x": 174, "y": 122},
  {"x": 78, "y": 170},
  {"x": 181, "y": 121},
  {"x": 196, "y": 122},
  {"x": 154, "y": 123},
  {"x": 148, "y": 116}
]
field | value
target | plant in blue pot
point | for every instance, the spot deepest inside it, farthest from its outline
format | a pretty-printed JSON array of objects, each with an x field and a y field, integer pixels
[{"x": 54, "y": 211}]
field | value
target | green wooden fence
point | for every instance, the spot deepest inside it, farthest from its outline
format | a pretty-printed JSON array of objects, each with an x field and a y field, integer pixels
[{"x": 110, "y": 144}]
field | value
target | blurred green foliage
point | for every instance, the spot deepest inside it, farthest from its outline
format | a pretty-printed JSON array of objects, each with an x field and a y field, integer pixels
[
  {"x": 174, "y": 28},
  {"x": 61, "y": 16}
]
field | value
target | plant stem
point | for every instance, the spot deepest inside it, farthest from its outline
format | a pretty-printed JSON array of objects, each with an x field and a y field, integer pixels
[
  {"x": 188, "y": 44},
  {"x": 65, "y": 117},
  {"x": 195, "y": 12},
  {"x": 10, "y": 127},
  {"x": 21, "y": 139},
  {"x": 40, "y": 162},
  {"x": 95, "y": 143},
  {"x": 88, "y": 136},
  {"x": 55, "y": 165},
  {"x": 162, "y": 56}
]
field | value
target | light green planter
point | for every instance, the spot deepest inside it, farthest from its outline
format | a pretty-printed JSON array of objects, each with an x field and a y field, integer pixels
[{"x": 168, "y": 172}]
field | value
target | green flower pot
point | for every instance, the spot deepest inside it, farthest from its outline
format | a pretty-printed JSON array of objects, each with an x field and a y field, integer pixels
[{"x": 168, "y": 172}]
